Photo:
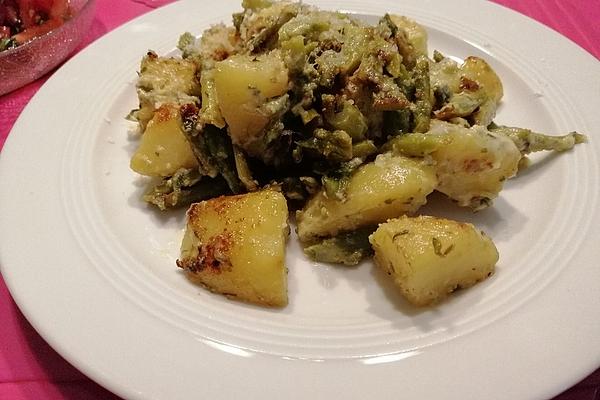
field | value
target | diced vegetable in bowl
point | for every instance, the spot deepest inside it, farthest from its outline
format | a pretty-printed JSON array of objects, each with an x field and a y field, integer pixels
[{"x": 36, "y": 35}]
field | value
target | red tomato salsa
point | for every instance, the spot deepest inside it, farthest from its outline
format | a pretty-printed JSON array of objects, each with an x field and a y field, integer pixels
[{"x": 24, "y": 20}]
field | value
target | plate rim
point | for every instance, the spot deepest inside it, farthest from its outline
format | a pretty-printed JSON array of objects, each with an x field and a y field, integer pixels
[{"x": 12, "y": 143}]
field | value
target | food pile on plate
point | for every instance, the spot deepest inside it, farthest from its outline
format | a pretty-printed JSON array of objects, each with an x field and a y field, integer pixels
[{"x": 349, "y": 126}]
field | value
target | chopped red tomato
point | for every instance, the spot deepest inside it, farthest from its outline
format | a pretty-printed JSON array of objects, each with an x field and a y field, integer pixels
[
  {"x": 27, "y": 13},
  {"x": 43, "y": 5},
  {"x": 59, "y": 9},
  {"x": 37, "y": 30},
  {"x": 4, "y": 32},
  {"x": 52, "y": 8},
  {"x": 23, "y": 20},
  {"x": 8, "y": 14}
]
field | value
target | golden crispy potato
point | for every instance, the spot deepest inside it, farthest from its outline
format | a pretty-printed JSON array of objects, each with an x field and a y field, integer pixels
[
  {"x": 163, "y": 148},
  {"x": 386, "y": 188},
  {"x": 164, "y": 80},
  {"x": 471, "y": 163},
  {"x": 235, "y": 245},
  {"x": 429, "y": 258},
  {"x": 243, "y": 84}
]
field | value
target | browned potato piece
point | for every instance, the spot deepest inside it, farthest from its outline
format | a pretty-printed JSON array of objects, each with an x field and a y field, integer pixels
[
  {"x": 429, "y": 258},
  {"x": 164, "y": 80},
  {"x": 471, "y": 164},
  {"x": 235, "y": 245},
  {"x": 243, "y": 84},
  {"x": 164, "y": 148},
  {"x": 385, "y": 188}
]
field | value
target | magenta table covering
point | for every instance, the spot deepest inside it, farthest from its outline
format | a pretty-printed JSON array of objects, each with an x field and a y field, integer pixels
[{"x": 31, "y": 370}]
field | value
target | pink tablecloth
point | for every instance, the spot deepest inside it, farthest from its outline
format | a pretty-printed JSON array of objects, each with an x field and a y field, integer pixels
[{"x": 31, "y": 370}]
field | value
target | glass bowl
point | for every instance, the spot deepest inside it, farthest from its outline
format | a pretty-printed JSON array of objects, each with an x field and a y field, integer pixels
[{"x": 26, "y": 63}]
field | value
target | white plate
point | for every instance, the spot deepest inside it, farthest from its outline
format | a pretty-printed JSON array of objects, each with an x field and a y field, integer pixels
[{"x": 93, "y": 268}]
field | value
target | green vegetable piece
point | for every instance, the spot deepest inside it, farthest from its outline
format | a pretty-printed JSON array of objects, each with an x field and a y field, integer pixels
[
  {"x": 311, "y": 185},
  {"x": 423, "y": 106},
  {"x": 243, "y": 170},
  {"x": 336, "y": 182},
  {"x": 416, "y": 144},
  {"x": 277, "y": 143},
  {"x": 460, "y": 105},
  {"x": 295, "y": 53},
  {"x": 335, "y": 146},
  {"x": 237, "y": 19},
  {"x": 219, "y": 145},
  {"x": 364, "y": 149},
  {"x": 185, "y": 187},
  {"x": 305, "y": 115},
  {"x": 8, "y": 43},
  {"x": 256, "y": 4},
  {"x": 299, "y": 189},
  {"x": 438, "y": 56},
  {"x": 347, "y": 248},
  {"x": 214, "y": 151},
  {"x": 268, "y": 36},
  {"x": 334, "y": 187},
  {"x": 210, "y": 113},
  {"x": 350, "y": 120},
  {"x": 405, "y": 49},
  {"x": 397, "y": 122},
  {"x": 355, "y": 46},
  {"x": 293, "y": 189},
  {"x": 189, "y": 117},
  {"x": 308, "y": 26},
  {"x": 272, "y": 147},
  {"x": 528, "y": 141},
  {"x": 186, "y": 41}
]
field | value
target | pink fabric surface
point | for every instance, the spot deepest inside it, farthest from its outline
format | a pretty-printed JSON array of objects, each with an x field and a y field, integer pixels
[{"x": 30, "y": 369}]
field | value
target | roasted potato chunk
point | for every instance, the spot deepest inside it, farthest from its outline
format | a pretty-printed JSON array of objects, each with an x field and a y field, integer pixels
[
  {"x": 168, "y": 75},
  {"x": 164, "y": 148},
  {"x": 474, "y": 90},
  {"x": 429, "y": 258},
  {"x": 471, "y": 163},
  {"x": 164, "y": 80},
  {"x": 235, "y": 245},
  {"x": 385, "y": 188},
  {"x": 243, "y": 85}
]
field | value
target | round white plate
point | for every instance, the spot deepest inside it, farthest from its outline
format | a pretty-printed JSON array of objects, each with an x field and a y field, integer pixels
[{"x": 93, "y": 269}]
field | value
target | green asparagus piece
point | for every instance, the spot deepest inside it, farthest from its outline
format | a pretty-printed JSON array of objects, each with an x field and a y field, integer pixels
[
  {"x": 346, "y": 248},
  {"x": 220, "y": 147},
  {"x": 334, "y": 146},
  {"x": 183, "y": 188},
  {"x": 528, "y": 141},
  {"x": 423, "y": 106},
  {"x": 336, "y": 182}
]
